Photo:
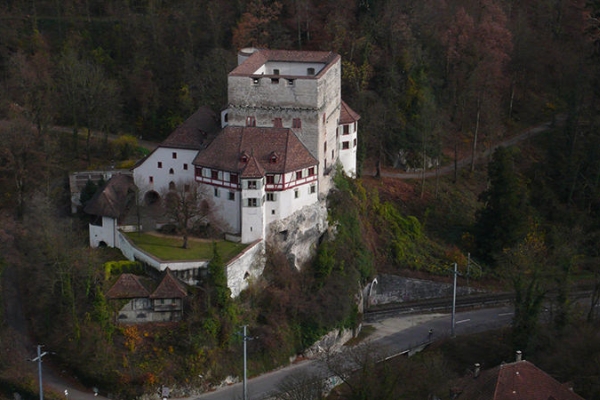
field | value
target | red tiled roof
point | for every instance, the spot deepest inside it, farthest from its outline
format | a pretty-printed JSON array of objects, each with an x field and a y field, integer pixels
[
  {"x": 520, "y": 380},
  {"x": 169, "y": 288},
  {"x": 128, "y": 286},
  {"x": 112, "y": 199},
  {"x": 348, "y": 115},
  {"x": 225, "y": 152},
  {"x": 194, "y": 132},
  {"x": 262, "y": 56},
  {"x": 253, "y": 169}
]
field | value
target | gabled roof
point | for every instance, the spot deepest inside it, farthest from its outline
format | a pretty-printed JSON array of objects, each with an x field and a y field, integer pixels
[
  {"x": 225, "y": 152},
  {"x": 169, "y": 288},
  {"x": 128, "y": 286},
  {"x": 520, "y": 380},
  {"x": 112, "y": 199},
  {"x": 253, "y": 169},
  {"x": 194, "y": 132},
  {"x": 347, "y": 115}
]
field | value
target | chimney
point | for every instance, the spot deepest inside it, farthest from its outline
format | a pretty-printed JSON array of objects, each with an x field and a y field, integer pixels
[
  {"x": 519, "y": 356},
  {"x": 477, "y": 370}
]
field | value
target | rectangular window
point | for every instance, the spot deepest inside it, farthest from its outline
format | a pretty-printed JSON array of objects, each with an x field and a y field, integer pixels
[
  {"x": 206, "y": 172},
  {"x": 275, "y": 81},
  {"x": 198, "y": 171},
  {"x": 270, "y": 196},
  {"x": 345, "y": 145},
  {"x": 275, "y": 72},
  {"x": 311, "y": 171},
  {"x": 185, "y": 167},
  {"x": 333, "y": 154},
  {"x": 290, "y": 82},
  {"x": 346, "y": 129},
  {"x": 255, "y": 81},
  {"x": 277, "y": 123},
  {"x": 151, "y": 179},
  {"x": 214, "y": 174},
  {"x": 296, "y": 193},
  {"x": 233, "y": 178},
  {"x": 312, "y": 189},
  {"x": 231, "y": 196},
  {"x": 324, "y": 118},
  {"x": 298, "y": 175},
  {"x": 252, "y": 185},
  {"x": 250, "y": 121},
  {"x": 270, "y": 179},
  {"x": 252, "y": 202},
  {"x": 354, "y": 142},
  {"x": 325, "y": 147},
  {"x": 174, "y": 155},
  {"x": 159, "y": 164},
  {"x": 216, "y": 191},
  {"x": 310, "y": 71},
  {"x": 297, "y": 123}
]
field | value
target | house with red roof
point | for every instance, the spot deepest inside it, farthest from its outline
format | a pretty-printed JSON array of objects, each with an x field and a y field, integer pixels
[
  {"x": 518, "y": 380},
  {"x": 143, "y": 303}
]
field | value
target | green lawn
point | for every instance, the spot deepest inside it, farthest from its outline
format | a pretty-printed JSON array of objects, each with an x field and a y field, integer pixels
[{"x": 169, "y": 248}]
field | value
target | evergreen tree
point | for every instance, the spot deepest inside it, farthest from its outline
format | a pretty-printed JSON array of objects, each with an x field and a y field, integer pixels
[
  {"x": 504, "y": 219},
  {"x": 218, "y": 280}
]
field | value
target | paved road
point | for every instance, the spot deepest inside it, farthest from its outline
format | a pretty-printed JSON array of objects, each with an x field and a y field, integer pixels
[{"x": 392, "y": 336}]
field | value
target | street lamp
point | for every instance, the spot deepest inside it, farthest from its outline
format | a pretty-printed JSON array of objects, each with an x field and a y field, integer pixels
[
  {"x": 39, "y": 361},
  {"x": 245, "y": 338},
  {"x": 455, "y": 273}
]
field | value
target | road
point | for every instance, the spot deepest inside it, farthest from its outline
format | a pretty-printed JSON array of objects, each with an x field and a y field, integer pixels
[
  {"x": 465, "y": 161},
  {"x": 392, "y": 336}
]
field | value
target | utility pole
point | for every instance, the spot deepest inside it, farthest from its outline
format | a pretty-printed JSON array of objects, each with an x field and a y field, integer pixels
[
  {"x": 39, "y": 361},
  {"x": 245, "y": 365},
  {"x": 452, "y": 334}
]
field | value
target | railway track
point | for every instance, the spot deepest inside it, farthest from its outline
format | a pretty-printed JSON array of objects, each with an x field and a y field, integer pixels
[{"x": 376, "y": 313}]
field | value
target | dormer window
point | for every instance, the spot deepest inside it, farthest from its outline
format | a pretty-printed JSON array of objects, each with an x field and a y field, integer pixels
[
  {"x": 310, "y": 71},
  {"x": 244, "y": 157},
  {"x": 273, "y": 158}
]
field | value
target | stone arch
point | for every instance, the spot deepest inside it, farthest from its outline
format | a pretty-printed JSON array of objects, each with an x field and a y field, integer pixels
[{"x": 151, "y": 197}]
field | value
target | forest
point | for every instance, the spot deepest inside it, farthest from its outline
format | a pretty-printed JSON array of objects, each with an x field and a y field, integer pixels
[{"x": 432, "y": 81}]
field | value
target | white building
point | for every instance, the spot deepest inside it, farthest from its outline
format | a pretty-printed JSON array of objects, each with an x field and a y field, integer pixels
[
  {"x": 171, "y": 162},
  {"x": 285, "y": 129}
]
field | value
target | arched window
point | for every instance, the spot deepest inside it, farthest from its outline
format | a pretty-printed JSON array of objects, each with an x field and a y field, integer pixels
[
  {"x": 172, "y": 185},
  {"x": 171, "y": 172}
]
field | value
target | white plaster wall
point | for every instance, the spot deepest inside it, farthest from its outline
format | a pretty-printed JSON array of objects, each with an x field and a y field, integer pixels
[
  {"x": 244, "y": 268},
  {"x": 227, "y": 211},
  {"x": 161, "y": 176},
  {"x": 290, "y": 68},
  {"x": 105, "y": 233}
]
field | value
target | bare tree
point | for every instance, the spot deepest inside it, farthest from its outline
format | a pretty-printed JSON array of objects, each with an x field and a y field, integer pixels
[
  {"x": 301, "y": 386},
  {"x": 186, "y": 204}
]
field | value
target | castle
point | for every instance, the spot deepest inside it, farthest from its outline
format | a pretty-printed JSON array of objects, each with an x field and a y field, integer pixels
[
  {"x": 266, "y": 164},
  {"x": 284, "y": 130}
]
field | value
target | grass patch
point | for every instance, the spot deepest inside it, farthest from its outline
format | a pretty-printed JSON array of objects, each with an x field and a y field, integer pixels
[{"x": 169, "y": 247}]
